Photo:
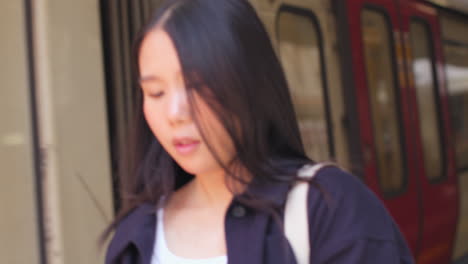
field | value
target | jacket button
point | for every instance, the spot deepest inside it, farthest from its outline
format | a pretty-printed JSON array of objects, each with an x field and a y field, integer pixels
[{"x": 238, "y": 211}]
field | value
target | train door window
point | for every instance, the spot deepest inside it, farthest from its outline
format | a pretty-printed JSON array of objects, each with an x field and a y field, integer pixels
[
  {"x": 426, "y": 92},
  {"x": 301, "y": 54},
  {"x": 383, "y": 96},
  {"x": 456, "y": 58}
]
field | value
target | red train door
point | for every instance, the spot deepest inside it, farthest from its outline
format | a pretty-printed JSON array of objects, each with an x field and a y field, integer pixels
[
  {"x": 382, "y": 112},
  {"x": 428, "y": 97}
]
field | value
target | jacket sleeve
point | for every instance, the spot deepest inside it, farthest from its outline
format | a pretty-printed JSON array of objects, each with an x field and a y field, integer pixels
[{"x": 365, "y": 251}]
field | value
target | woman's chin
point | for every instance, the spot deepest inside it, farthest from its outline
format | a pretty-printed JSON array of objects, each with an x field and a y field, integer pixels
[{"x": 199, "y": 169}]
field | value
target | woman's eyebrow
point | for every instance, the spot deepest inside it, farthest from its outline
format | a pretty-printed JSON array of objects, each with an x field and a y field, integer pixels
[{"x": 146, "y": 78}]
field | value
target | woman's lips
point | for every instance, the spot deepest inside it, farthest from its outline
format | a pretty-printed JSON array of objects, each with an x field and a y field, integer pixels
[{"x": 186, "y": 146}]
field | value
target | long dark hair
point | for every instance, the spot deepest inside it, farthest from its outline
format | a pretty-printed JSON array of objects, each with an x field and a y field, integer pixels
[{"x": 227, "y": 58}]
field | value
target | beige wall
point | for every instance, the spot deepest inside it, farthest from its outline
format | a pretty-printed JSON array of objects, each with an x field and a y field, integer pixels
[
  {"x": 74, "y": 136},
  {"x": 19, "y": 242}
]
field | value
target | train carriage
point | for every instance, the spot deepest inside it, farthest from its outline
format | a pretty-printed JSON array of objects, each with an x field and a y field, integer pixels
[{"x": 379, "y": 86}]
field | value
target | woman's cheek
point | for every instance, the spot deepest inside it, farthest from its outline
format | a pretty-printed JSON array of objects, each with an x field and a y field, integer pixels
[{"x": 153, "y": 118}]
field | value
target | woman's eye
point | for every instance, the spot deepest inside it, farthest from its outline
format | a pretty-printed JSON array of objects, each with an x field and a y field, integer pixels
[{"x": 156, "y": 95}]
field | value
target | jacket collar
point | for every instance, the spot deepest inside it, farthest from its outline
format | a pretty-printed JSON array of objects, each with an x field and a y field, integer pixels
[
  {"x": 274, "y": 192},
  {"x": 139, "y": 227}
]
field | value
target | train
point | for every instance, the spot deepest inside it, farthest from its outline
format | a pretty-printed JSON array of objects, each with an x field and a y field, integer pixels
[{"x": 379, "y": 86}]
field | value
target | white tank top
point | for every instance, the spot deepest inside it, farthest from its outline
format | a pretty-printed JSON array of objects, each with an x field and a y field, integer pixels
[{"x": 162, "y": 254}]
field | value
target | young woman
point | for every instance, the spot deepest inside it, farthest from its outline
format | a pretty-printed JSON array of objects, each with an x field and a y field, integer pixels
[{"x": 219, "y": 148}]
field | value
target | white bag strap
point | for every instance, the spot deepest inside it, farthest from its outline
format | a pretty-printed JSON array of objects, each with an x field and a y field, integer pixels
[{"x": 296, "y": 224}]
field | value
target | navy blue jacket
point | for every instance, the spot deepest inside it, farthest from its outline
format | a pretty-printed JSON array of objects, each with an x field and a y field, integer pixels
[{"x": 347, "y": 224}]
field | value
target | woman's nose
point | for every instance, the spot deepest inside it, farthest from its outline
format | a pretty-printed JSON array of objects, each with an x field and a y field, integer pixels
[{"x": 179, "y": 110}]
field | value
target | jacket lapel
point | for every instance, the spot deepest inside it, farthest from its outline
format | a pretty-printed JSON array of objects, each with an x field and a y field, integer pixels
[
  {"x": 256, "y": 237},
  {"x": 245, "y": 237}
]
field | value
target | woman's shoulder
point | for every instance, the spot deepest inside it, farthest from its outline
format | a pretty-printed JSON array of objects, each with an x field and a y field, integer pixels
[
  {"x": 346, "y": 215},
  {"x": 135, "y": 228},
  {"x": 137, "y": 215},
  {"x": 343, "y": 199}
]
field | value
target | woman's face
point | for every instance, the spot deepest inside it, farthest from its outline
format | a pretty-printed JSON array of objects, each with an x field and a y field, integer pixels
[{"x": 168, "y": 114}]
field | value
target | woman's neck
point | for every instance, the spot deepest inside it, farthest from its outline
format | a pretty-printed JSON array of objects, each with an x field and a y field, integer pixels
[
  {"x": 207, "y": 191},
  {"x": 211, "y": 191}
]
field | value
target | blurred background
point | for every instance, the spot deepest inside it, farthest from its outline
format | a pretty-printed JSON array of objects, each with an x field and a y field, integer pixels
[{"x": 379, "y": 86}]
